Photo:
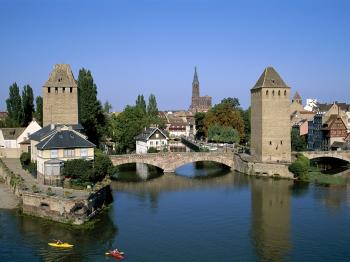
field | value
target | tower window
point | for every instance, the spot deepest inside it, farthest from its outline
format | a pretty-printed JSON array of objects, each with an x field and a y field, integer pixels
[
  {"x": 63, "y": 89},
  {"x": 270, "y": 143},
  {"x": 279, "y": 93},
  {"x": 267, "y": 92},
  {"x": 281, "y": 142},
  {"x": 285, "y": 92},
  {"x": 273, "y": 92},
  {"x": 56, "y": 90},
  {"x": 49, "y": 90},
  {"x": 71, "y": 89}
]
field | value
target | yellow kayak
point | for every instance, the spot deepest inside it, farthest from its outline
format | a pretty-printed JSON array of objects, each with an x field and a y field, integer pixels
[{"x": 63, "y": 245}]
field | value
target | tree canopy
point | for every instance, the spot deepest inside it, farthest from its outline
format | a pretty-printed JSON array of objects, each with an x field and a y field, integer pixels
[
  {"x": 14, "y": 106},
  {"x": 27, "y": 104},
  {"x": 91, "y": 114}
]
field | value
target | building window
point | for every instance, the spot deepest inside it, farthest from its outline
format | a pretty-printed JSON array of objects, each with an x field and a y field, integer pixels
[
  {"x": 49, "y": 90},
  {"x": 56, "y": 90},
  {"x": 279, "y": 93},
  {"x": 270, "y": 143},
  {"x": 267, "y": 92},
  {"x": 151, "y": 143},
  {"x": 285, "y": 92},
  {"x": 69, "y": 153},
  {"x": 157, "y": 143},
  {"x": 273, "y": 92},
  {"x": 84, "y": 152},
  {"x": 281, "y": 142},
  {"x": 63, "y": 89},
  {"x": 54, "y": 153},
  {"x": 71, "y": 89}
]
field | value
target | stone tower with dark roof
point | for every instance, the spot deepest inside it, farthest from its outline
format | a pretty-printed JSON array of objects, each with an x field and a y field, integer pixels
[
  {"x": 297, "y": 98},
  {"x": 60, "y": 97},
  {"x": 270, "y": 118}
]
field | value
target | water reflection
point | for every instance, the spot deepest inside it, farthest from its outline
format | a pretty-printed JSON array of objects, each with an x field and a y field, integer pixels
[
  {"x": 87, "y": 242},
  {"x": 271, "y": 218}
]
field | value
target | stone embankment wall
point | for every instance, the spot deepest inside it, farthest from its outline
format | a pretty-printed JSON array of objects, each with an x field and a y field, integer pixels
[
  {"x": 244, "y": 165},
  {"x": 65, "y": 209}
]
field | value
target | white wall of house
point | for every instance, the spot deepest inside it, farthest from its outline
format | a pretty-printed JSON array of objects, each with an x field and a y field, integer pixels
[
  {"x": 31, "y": 128},
  {"x": 62, "y": 154},
  {"x": 177, "y": 133},
  {"x": 141, "y": 147}
]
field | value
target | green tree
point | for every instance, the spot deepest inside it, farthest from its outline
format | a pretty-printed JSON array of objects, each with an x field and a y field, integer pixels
[
  {"x": 102, "y": 167},
  {"x": 91, "y": 114},
  {"x": 107, "y": 107},
  {"x": 300, "y": 167},
  {"x": 39, "y": 110},
  {"x": 223, "y": 134},
  {"x": 199, "y": 122},
  {"x": 246, "y": 115},
  {"x": 141, "y": 103},
  {"x": 233, "y": 102},
  {"x": 126, "y": 126},
  {"x": 27, "y": 104},
  {"x": 224, "y": 114},
  {"x": 298, "y": 143},
  {"x": 152, "y": 108},
  {"x": 14, "y": 106}
]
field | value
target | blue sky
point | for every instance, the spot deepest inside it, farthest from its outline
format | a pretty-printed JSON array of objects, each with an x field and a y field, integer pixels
[{"x": 151, "y": 46}]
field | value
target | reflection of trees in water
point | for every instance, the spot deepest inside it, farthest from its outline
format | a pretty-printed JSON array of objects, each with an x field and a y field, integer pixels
[
  {"x": 332, "y": 197},
  {"x": 171, "y": 182},
  {"x": 39, "y": 232},
  {"x": 271, "y": 218}
]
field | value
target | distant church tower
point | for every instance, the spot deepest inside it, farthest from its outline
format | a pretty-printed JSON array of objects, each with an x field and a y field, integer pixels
[
  {"x": 199, "y": 103},
  {"x": 270, "y": 118},
  {"x": 60, "y": 97},
  {"x": 297, "y": 98}
]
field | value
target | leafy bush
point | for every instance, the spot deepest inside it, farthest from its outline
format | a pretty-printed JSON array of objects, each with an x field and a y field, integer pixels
[
  {"x": 25, "y": 160},
  {"x": 79, "y": 169},
  {"x": 300, "y": 168},
  {"x": 152, "y": 150},
  {"x": 103, "y": 166}
]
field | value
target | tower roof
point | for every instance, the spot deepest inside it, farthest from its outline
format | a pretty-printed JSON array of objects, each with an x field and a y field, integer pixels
[
  {"x": 195, "y": 77},
  {"x": 297, "y": 96},
  {"x": 270, "y": 78},
  {"x": 61, "y": 76}
]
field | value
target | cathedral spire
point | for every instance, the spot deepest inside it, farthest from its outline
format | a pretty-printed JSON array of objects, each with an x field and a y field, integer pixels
[{"x": 195, "y": 77}]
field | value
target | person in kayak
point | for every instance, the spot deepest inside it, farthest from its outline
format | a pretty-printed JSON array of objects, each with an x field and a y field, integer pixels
[
  {"x": 116, "y": 251},
  {"x": 59, "y": 242}
]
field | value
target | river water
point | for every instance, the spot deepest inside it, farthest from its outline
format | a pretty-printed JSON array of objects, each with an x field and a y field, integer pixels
[{"x": 204, "y": 213}]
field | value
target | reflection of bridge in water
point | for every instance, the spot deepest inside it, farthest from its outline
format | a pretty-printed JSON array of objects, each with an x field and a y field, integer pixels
[{"x": 168, "y": 162}]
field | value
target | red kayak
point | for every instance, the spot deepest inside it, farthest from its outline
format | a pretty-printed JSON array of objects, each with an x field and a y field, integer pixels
[{"x": 116, "y": 255}]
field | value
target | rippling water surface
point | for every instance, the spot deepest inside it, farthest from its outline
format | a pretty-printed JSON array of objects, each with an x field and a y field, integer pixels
[{"x": 216, "y": 216}]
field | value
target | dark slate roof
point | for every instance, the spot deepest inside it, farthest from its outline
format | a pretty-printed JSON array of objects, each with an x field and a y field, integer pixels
[
  {"x": 12, "y": 133},
  {"x": 270, "y": 78},
  {"x": 47, "y": 130},
  {"x": 64, "y": 139},
  {"x": 146, "y": 134}
]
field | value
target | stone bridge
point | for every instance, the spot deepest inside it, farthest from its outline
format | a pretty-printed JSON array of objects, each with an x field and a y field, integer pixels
[
  {"x": 343, "y": 155},
  {"x": 169, "y": 161}
]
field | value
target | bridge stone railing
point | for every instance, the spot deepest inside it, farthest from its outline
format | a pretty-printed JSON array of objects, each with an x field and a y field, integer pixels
[{"x": 169, "y": 161}]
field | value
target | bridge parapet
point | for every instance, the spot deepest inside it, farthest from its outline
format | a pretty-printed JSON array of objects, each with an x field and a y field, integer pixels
[
  {"x": 343, "y": 154},
  {"x": 169, "y": 161}
]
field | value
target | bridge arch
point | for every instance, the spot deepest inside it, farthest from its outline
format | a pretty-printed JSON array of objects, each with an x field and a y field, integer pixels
[
  {"x": 328, "y": 154},
  {"x": 168, "y": 162}
]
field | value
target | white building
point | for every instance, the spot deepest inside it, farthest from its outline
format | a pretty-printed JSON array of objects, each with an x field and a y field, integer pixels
[
  {"x": 151, "y": 138},
  {"x": 14, "y": 137}
]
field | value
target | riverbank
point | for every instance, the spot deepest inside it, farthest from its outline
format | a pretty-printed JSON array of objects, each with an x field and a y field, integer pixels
[{"x": 8, "y": 199}]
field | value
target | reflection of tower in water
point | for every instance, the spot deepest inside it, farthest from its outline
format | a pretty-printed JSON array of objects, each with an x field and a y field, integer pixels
[{"x": 271, "y": 218}]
